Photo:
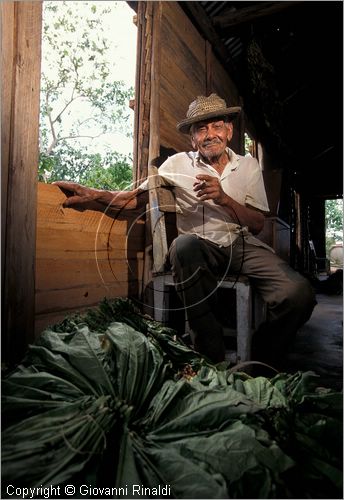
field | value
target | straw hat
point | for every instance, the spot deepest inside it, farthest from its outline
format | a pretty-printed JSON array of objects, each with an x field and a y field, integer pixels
[{"x": 203, "y": 108}]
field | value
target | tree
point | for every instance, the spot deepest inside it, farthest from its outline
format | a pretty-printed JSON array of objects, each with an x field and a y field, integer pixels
[
  {"x": 80, "y": 99},
  {"x": 110, "y": 170},
  {"x": 334, "y": 222}
]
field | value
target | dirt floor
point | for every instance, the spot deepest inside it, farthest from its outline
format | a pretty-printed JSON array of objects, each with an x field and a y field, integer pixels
[{"x": 319, "y": 343}]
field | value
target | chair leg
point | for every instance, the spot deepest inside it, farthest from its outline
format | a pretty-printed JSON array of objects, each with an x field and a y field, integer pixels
[
  {"x": 259, "y": 310},
  {"x": 244, "y": 310},
  {"x": 161, "y": 299}
]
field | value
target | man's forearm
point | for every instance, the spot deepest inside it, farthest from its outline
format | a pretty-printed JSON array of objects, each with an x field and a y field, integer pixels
[
  {"x": 245, "y": 216},
  {"x": 116, "y": 199},
  {"x": 78, "y": 195}
]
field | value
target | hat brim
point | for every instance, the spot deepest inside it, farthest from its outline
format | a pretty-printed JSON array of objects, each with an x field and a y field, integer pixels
[{"x": 184, "y": 125}]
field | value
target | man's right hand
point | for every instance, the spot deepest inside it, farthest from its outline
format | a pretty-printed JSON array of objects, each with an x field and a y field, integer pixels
[
  {"x": 79, "y": 196},
  {"x": 76, "y": 193}
]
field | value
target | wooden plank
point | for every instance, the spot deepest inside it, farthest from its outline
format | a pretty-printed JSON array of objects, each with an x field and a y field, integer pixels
[
  {"x": 170, "y": 136},
  {"x": 137, "y": 100},
  {"x": 157, "y": 220},
  {"x": 50, "y": 212},
  {"x": 60, "y": 274},
  {"x": 7, "y": 65},
  {"x": 223, "y": 85},
  {"x": 154, "y": 116},
  {"x": 209, "y": 67},
  {"x": 83, "y": 256},
  {"x": 182, "y": 73},
  {"x": 175, "y": 49},
  {"x": 205, "y": 26},
  {"x": 19, "y": 275},
  {"x": 184, "y": 29},
  {"x": 253, "y": 13},
  {"x": 145, "y": 13},
  {"x": 177, "y": 94},
  {"x": 74, "y": 298},
  {"x": 54, "y": 217},
  {"x": 65, "y": 243}
]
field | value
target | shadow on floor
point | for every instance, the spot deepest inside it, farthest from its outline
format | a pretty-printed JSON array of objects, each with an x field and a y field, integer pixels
[{"x": 319, "y": 343}]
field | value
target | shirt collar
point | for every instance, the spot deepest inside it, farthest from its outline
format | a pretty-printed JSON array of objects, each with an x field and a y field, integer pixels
[{"x": 232, "y": 163}]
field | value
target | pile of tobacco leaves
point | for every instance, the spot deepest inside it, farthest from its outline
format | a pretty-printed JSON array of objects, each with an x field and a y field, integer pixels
[{"x": 111, "y": 399}]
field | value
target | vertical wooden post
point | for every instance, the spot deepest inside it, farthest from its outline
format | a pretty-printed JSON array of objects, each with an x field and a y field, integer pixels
[
  {"x": 137, "y": 108},
  {"x": 7, "y": 62},
  {"x": 157, "y": 217},
  {"x": 143, "y": 88},
  {"x": 154, "y": 132},
  {"x": 21, "y": 63}
]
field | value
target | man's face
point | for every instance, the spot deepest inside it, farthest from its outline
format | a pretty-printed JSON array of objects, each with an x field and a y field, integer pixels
[{"x": 210, "y": 137}]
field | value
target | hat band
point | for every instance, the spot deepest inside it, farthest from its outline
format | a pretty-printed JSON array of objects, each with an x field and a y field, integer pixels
[{"x": 205, "y": 110}]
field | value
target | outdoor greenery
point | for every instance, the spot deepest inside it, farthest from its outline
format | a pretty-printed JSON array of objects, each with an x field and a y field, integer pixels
[
  {"x": 249, "y": 143},
  {"x": 110, "y": 170},
  {"x": 334, "y": 222},
  {"x": 80, "y": 100}
]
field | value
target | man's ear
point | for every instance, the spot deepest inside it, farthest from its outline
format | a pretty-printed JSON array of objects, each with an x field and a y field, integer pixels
[
  {"x": 193, "y": 142},
  {"x": 229, "y": 131}
]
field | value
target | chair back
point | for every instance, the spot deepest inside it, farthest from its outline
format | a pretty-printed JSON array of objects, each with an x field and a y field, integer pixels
[{"x": 162, "y": 209}]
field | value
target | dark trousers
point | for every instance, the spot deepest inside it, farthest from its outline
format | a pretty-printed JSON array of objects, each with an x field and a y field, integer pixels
[{"x": 197, "y": 265}]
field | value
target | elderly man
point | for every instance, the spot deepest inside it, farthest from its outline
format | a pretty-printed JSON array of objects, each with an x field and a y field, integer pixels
[{"x": 221, "y": 202}]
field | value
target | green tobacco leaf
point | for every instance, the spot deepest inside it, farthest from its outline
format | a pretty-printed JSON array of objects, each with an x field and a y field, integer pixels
[
  {"x": 233, "y": 451},
  {"x": 202, "y": 410},
  {"x": 165, "y": 465},
  {"x": 148, "y": 410},
  {"x": 49, "y": 449},
  {"x": 261, "y": 390},
  {"x": 76, "y": 356},
  {"x": 139, "y": 368}
]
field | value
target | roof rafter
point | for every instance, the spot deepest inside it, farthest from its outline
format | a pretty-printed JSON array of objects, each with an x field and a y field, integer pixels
[{"x": 248, "y": 14}]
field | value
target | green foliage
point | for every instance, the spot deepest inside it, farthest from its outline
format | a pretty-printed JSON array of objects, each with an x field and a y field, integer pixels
[
  {"x": 111, "y": 170},
  {"x": 249, "y": 143},
  {"x": 333, "y": 222},
  {"x": 108, "y": 399},
  {"x": 334, "y": 216},
  {"x": 80, "y": 100}
]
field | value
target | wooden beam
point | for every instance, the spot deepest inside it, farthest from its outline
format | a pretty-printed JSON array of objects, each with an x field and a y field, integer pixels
[
  {"x": 157, "y": 220},
  {"x": 253, "y": 13},
  {"x": 22, "y": 163},
  {"x": 154, "y": 117},
  {"x": 7, "y": 62},
  {"x": 137, "y": 113}
]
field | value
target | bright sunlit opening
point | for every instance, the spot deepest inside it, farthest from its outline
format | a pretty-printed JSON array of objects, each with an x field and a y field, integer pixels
[{"x": 87, "y": 82}]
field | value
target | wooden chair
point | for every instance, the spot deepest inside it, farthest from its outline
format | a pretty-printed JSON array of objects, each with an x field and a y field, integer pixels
[{"x": 250, "y": 310}]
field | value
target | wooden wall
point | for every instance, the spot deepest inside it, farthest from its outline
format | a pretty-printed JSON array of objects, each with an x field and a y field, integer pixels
[
  {"x": 188, "y": 68},
  {"x": 82, "y": 257},
  {"x": 182, "y": 73}
]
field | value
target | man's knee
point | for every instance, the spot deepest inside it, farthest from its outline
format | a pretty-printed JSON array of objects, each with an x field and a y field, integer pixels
[
  {"x": 185, "y": 249},
  {"x": 301, "y": 297}
]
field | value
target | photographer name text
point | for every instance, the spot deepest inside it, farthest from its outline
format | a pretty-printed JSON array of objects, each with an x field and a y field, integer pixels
[{"x": 134, "y": 490}]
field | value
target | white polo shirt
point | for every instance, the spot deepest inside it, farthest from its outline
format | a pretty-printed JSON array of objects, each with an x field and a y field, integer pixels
[{"x": 241, "y": 179}]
